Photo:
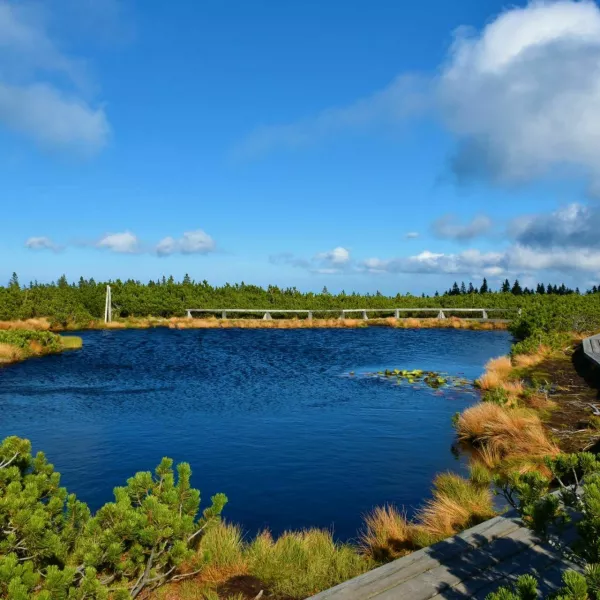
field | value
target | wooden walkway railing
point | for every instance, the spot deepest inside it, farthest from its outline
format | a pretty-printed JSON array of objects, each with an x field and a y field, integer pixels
[{"x": 439, "y": 313}]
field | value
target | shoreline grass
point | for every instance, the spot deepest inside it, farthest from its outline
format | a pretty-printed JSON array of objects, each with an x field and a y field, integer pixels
[
  {"x": 44, "y": 324},
  {"x": 20, "y": 344}
]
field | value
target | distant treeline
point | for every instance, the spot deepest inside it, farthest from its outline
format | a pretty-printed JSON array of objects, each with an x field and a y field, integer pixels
[{"x": 66, "y": 302}]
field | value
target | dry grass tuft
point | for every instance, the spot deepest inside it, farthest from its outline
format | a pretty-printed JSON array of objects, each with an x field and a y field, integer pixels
[
  {"x": 10, "y": 353},
  {"x": 457, "y": 504},
  {"x": 532, "y": 359},
  {"x": 506, "y": 432},
  {"x": 497, "y": 371},
  {"x": 387, "y": 534},
  {"x": 41, "y": 324}
]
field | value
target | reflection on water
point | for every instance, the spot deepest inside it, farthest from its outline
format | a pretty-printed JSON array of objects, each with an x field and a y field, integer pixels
[{"x": 265, "y": 416}]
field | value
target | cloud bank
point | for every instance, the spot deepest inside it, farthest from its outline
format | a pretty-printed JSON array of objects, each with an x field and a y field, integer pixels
[
  {"x": 126, "y": 242},
  {"x": 520, "y": 97}
]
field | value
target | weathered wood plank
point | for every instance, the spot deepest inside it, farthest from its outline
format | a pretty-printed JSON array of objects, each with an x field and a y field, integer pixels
[{"x": 403, "y": 569}]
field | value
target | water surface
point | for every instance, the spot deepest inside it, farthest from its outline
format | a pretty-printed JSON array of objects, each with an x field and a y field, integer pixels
[{"x": 269, "y": 417}]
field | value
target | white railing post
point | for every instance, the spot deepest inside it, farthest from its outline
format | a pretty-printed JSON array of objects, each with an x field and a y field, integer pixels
[
  {"x": 397, "y": 314},
  {"x": 484, "y": 314},
  {"x": 343, "y": 315},
  {"x": 224, "y": 314},
  {"x": 189, "y": 314},
  {"x": 364, "y": 315},
  {"x": 108, "y": 306},
  {"x": 267, "y": 316},
  {"x": 441, "y": 315},
  {"x": 310, "y": 315}
]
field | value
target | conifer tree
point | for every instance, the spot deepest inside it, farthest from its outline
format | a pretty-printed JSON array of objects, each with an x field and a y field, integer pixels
[{"x": 484, "y": 289}]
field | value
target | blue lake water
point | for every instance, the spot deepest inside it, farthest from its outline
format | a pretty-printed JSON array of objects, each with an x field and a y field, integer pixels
[{"x": 269, "y": 417}]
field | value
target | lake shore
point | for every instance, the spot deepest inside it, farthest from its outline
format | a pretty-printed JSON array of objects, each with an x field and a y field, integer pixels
[
  {"x": 17, "y": 345},
  {"x": 44, "y": 324}
]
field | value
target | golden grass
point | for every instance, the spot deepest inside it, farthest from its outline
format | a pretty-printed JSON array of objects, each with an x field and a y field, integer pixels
[
  {"x": 457, "y": 504},
  {"x": 387, "y": 534},
  {"x": 506, "y": 432},
  {"x": 497, "y": 371},
  {"x": 10, "y": 353},
  {"x": 533, "y": 358},
  {"x": 41, "y": 324}
]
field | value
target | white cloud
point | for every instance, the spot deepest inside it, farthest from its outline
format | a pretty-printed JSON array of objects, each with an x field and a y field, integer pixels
[
  {"x": 53, "y": 120},
  {"x": 521, "y": 97},
  {"x": 42, "y": 89},
  {"x": 515, "y": 259},
  {"x": 123, "y": 243},
  {"x": 448, "y": 228},
  {"x": 192, "y": 242},
  {"x": 42, "y": 243},
  {"x": 522, "y": 94},
  {"x": 411, "y": 235},
  {"x": 337, "y": 256}
]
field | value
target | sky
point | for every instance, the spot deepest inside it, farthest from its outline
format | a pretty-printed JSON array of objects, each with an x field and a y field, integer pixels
[{"x": 357, "y": 145}]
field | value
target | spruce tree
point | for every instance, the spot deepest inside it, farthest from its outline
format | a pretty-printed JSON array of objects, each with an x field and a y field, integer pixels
[
  {"x": 516, "y": 288},
  {"x": 484, "y": 289},
  {"x": 505, "y": 287}
]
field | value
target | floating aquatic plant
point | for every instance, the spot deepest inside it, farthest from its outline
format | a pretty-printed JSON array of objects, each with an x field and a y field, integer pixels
[{"x": 418, "y": 377}]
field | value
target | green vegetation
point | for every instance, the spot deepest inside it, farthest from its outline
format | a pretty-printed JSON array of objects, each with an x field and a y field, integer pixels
[
  {"x": 51, "y": 546},
  {"x": 578, "y": 478},
  {"x": 69, "y": 304},
  {"x": 19, "y": 344}
]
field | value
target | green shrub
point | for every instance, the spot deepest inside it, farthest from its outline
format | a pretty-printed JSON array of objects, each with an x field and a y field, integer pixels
[{"x": 51, "y": 546}]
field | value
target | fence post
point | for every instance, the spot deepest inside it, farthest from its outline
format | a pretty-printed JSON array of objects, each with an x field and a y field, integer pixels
[
  {"x": 484, "y": 314},
  {"x": 441, "y": 315},
  {"x": 267, "y": 316},
  {"x": 343, "y": 315},
  {"x": 310, "y": 315},
  {"x": 396, "y": 314},
  {"x": 224, "y": 314},
  {"x": 364, "y": 315}
]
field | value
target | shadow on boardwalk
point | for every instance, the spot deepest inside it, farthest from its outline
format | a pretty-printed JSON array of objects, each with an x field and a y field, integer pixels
[{"x": 470, "y": 565}]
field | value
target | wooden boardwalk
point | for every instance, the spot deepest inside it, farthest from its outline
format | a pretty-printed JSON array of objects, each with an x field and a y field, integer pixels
[
  {"x": 469, "y": 565},
  {"x": 342, "y": 313},
  {"x": 591, "y": 348}
]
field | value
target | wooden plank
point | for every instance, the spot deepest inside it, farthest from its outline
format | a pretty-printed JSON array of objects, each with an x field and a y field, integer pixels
[
  {"x": 535, "y": 560},
  {"x": 450, "y": 574},
  {"x": 418, "y": 562}
]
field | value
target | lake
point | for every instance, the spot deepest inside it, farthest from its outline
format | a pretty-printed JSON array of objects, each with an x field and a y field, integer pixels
[{"x": 272, "y": 418}]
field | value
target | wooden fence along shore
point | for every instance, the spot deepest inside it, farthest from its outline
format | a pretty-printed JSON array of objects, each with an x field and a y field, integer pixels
[{"x": 437, "y": 313}]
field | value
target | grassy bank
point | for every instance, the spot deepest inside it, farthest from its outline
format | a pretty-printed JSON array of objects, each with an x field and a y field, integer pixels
[
  {"x": 20, "y": 344},
  {"x": 45, "y": 324}
]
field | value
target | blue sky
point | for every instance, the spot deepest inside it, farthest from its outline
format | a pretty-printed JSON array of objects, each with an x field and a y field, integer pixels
[{"x": 362, "y": 146}]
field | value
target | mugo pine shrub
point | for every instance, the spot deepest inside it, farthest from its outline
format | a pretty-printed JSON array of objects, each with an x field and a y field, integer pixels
[{"x": 52, "y": 547}]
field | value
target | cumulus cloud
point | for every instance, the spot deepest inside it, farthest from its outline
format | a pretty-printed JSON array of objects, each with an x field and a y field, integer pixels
[
  {"x": 520, "y": 96},
  {"x": 337, "y": 256},
  {"x": 447, "y": 227},
  {"x": 42, "y": 243},
  {"x": 43, "y": 90},
  {"x": 122, "y": 243},
  {"x": 191, "y": 242},
  {"x": 572, "y": 226}
]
